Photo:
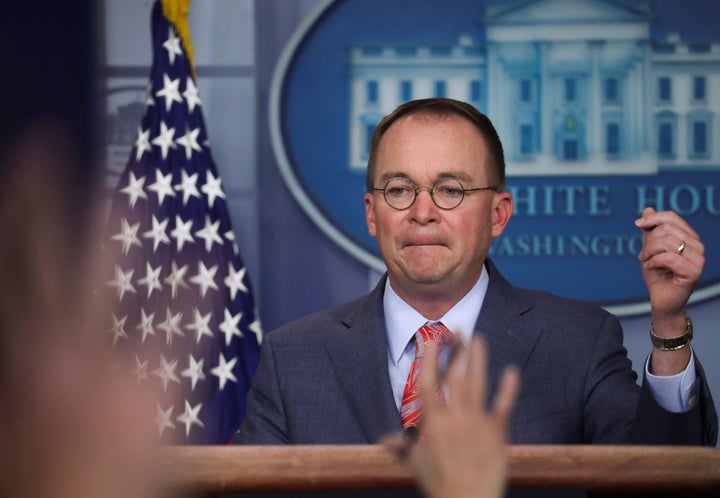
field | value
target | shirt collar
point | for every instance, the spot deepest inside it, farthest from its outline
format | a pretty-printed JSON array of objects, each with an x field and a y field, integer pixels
[{"x": 402, "y": 321}]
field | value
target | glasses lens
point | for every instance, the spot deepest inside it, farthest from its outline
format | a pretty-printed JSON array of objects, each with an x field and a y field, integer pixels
[
  {"x": 399, "y": 193},
  {"x": 448, "y": 193}
]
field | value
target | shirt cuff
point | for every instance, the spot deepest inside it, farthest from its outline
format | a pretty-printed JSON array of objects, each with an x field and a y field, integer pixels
[{"x": 675, "y": 393}]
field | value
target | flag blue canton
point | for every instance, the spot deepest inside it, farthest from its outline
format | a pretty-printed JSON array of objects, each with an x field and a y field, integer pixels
[{"x": 184, "y": 306}]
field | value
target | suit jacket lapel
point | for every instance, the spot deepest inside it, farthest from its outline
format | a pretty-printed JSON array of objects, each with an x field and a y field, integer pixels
[
  {"x": 507, "y": 324},
  {"x": 359, "y": 356}
]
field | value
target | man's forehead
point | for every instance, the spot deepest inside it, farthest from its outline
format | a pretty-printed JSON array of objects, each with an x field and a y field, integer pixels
[
  {"x": 421, "y": 119},
  {"x": 393, "y": 148}
]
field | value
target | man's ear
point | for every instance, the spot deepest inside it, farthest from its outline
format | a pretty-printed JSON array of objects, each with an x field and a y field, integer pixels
[
  {"x": 370, "y": 214},
  {"x": 502, "y": 211}
]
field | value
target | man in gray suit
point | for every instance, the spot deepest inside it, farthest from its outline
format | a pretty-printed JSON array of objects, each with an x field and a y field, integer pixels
[{"x": 435, "y": 200}]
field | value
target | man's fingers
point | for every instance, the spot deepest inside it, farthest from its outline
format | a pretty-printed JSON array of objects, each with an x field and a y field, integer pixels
[{"x": 428, "y": 382}]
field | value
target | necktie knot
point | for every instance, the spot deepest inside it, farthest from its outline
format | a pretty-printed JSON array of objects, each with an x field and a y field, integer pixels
[{"x": 430, "y": 333}]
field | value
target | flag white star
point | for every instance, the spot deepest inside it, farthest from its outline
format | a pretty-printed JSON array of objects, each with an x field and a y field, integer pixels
[
  {"x": 162, "y": 185},
  {"x": 212, "y": 188},
  {"x": 118, "y": 328},
  {"x": 224, "y": 371},
  {"x": 176, "y": 278},
  {"x": 151, "y": 279},
  {"x": 157, "y": 233},
  {"x": 194, "y": 371},
  {"x": 163, "y": 419},
  {"x": 165, "y": 140},
  {"x": 128, "y": 235},
  {"x": 171, "y": 325},
  {"x": 187, "y": 186},
  {"x": 181, "y": 232},
  {"x": 231, "y": 237},
  {"x": 191, "y": 95},
  {"x": 172, "y": 45},
  {"x": 201, "y": 325},
  {"x": 189, "y": 141},
  {"x": 205, "y": 278},
  {"x": 134, "y": 189},
  {"x": 122, "y": 281},
  {"x": 190, "y": 417},
  {"x": 210, "y": 233},
  {"x": 229, "y": 326},
  {"x": 234, "y": 280},
  {"x": 256, "y": 328},
  {"x": 166, "y": 372},
  {"x": 140, "y": 370},
  {"x": 146, "y": 325},
  {"x": 142, "y": 143},
  {"x": 170, "y": 91},
  {"x": 149, "y": 101}
]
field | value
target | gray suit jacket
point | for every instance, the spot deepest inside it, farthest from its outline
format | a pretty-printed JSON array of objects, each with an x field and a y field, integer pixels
[{"x": 323, "y": 379}]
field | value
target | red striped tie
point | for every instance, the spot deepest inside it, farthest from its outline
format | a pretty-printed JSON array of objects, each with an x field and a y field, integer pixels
[{"x": 411, "y": 409}]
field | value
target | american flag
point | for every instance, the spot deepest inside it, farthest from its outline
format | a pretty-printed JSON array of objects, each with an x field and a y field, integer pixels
[{"x": 183, "y": 301}]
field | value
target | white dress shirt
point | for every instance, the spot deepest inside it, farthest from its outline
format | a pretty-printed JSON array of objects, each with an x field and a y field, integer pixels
[{"x": 675, "y": 393}]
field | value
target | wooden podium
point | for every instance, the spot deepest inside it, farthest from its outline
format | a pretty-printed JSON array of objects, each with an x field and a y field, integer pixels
[{"x": 602, "y": 470}]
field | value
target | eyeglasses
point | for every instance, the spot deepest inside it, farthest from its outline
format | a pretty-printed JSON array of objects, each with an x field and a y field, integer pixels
[{"x": 447, "y": 193}]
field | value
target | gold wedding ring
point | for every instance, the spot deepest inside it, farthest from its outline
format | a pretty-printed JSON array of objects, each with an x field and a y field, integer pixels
[{"x": 681, "y": 247}]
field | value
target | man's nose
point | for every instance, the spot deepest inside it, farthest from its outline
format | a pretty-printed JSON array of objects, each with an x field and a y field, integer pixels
[{"x": 424, "y": 209}]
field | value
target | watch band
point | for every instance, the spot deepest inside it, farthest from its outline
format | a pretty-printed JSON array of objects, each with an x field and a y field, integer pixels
[{"x": 673, "y": 343}]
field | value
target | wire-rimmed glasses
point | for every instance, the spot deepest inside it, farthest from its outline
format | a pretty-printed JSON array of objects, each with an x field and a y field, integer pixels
[{"x": 447, "y": 193}]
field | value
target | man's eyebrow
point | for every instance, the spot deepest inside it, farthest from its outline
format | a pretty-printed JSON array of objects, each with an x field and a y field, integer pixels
[
  {"x": 460, "y": 176},
  {"x": 389, "y": 175}
]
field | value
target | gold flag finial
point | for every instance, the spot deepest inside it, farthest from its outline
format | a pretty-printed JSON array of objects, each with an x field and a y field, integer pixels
[{"x": 176, "y": 12}]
